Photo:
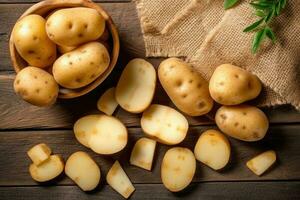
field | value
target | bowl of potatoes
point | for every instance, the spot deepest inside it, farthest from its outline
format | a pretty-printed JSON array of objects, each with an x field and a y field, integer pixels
[{"x": 62, "y": 49}]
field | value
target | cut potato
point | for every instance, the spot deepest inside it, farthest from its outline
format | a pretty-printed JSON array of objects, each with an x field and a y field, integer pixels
[
  {"x": 48, "y": 170},
  {"x": 136, "y": 86},
  {"x": 119, "y": 181},
  {"x": 259, "y": 164},
  {"x": 213, "y": 149},
  {"x": 142, "y": 153},
  {"x": 164, "y": 124},
  {"x": 39, "y": 153},
  {"x": 178, "y": 168},
  {"x": 107, "y": 102},
  {"x": 83, "y": 170}
]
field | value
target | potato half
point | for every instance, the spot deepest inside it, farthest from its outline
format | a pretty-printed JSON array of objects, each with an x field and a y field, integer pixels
[
  {"x": 259, "y": 164},
  {"x": 39, "y": 153},
  {"x": 107, "y": 102}
]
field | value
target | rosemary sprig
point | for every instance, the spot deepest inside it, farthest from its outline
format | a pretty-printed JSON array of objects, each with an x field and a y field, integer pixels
[{"x": 229, "y": 3}]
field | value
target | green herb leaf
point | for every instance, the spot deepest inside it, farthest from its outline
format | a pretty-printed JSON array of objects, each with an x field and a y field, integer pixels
[
  {"x": 283, "y": 3},
  {"x": 253, "y": 26},
  {"x": 260, "y": 13},
  {"x": 229, "y": 3},
  {"x": 278, "y": 8},
  {"x": 259, "y": 6},
  {"x": 258, "y": 38},
  {"x": 270, "y": 34},
  {"x": 269, "y": 17}
]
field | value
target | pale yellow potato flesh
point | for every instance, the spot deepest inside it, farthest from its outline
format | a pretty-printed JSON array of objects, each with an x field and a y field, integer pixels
[
  {"x": 213, "y": 149},
  {"x": 39, "y": 153},
  {"x": 119, "y": 181},
  {"x": 260, "y": 163},
  {"x": 107, "y": 103},
  {"x": 83, "y": 170},
  {"x": 164, "y": 124},
  {"x": 136, "y": 86},
  {"x": 178, "y": 168},
  {"x": 142, "y": 153}
]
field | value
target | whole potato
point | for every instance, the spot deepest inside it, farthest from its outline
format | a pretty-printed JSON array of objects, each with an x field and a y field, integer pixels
[
  {"x": 81, "y": 66},
  {"x": 187, "y": 89},
  {"x": 32, "y": 43},
  {"x": 36, "y": 86},
  {"x": 232, "y": 85},
  {"x": 242, "y": 122},
  {"x": 75, "y": 26}
]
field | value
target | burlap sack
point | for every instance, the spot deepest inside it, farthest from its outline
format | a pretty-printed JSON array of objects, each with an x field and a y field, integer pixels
[{"x": 207, "y": 36}]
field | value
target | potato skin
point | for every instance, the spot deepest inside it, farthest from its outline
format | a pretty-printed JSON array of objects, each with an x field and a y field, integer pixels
[
  {"x": 232, "y": 85},
  {"x": 75, "y": 26},
  {"x": 187, "y": 89},
  {"x": 32, "y": 43},
  {"x": 242, "y": 122},
  {"x": 36, "y": 86}
]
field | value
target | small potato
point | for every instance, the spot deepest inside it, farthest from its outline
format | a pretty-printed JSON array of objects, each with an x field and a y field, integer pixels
[
  {"x": 187, "y": 89},
  {"x": 242, "y": 122},
  {"x": 48, "y": 170},
  {"x": 232, "y": 85},
  {"x": 213, "y": 149},
  {"x": 39, "y": 153},
  {"x": 32, "y": 42},
  {"x": 119, "y": 181},
  {"x": 136, "y": 86},
  {"x": 178, "y": 168},
  {"x": 36, "y": 86},
  {"x": 259, "y": 164},
  {"x": 107, "y": 102},
  {"x": 75, "y": 26},
  {"x": 81, "y": 66},
  {"x": 164, "y": 124},
  {"x": 142, "y": 153},
  {"x": 65, "y": 49},
  {"x": 83, "y": 170}
]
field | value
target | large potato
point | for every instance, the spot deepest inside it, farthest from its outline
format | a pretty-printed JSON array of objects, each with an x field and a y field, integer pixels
[
  {"x": 232, "y": 85},
  {"x": 75, "y": 26},
  {"x": 242, "y": 122},
  {"x": 32, "y": 43},
  {"x": 81, "y": 66},
  {"x": 36, "y": 86},
  {"x": 187, "y": 89},
  {"x": 262, "y": 162}
]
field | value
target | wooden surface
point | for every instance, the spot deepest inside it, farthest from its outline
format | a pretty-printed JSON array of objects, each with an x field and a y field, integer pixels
[{"x": 23, "y": 125}]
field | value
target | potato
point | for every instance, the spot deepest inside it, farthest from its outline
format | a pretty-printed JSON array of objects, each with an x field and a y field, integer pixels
[
  {"x": 136, "y": 86},
  {"x": 48, "y": 170},
  {"x": 83, "y": 170},
  {"x": 187, "y": 89},
  {"x": 178, "y": 168},
  {"x": 65, "y": 49},
  {"x": 81, "y": 66},
  {"x": 213, "y": 149},
  {"x": 164, "y": 124},
  {"x": 259, "y": 164},
  {"x": 75, "y": 26},
  {"x": 242, "y": 122},
  {"x": 39, "y": 153},
  {"x": 231, "y": 85},
  {"x": 107, "y": 102},
  {"x": 32, "y": 43},
  {"x": 142, "y": 153},
  {"x": 119, "y": 181},
  {"x": 36, "y": 86}
]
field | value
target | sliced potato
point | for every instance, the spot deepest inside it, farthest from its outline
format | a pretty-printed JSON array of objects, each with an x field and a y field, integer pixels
[
  {"x": 213, "y": 149},
  {"x": 142, "y": 153},
  {"x": 107, "y": 102},
  {"x": 119, "y": 181},
  {"x": 83, "y": 170},
  {"x": 178, "y": 168},
  {"x": 48, "y": 170},
  {"x": 136, "y": 86},
  {"x": 39, "y": 153},
  {"x": 164, "y": 124},
  {"x": 259, "y": 164}
]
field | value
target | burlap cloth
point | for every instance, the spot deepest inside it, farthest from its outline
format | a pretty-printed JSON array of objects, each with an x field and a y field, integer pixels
[{"x": 207, "y": 36}]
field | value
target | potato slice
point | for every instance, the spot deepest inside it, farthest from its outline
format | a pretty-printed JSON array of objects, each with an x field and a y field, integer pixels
[
  {"x": 142, "y": 153},
  {"x": 136, "y": 86},
  {"x": 83, "y": 170},
  {"x": 107, "y": 102},
  {"x": 119, "y": 181},
  {"x": 39, "y": 153},
  {"x": 164, "y": 124},
  {"x": 178, "y": 168},
  {"x": 48, "y": 170},
  {"x": 213, "y": 149},
  {"x": 259, "y": 164}
]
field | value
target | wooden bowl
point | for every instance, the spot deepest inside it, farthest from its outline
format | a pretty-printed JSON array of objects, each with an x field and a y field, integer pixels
[{"x": 43, "y": 8}]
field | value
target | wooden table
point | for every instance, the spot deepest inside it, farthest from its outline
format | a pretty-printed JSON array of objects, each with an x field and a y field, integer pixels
[{"x": 23, "y": 125}]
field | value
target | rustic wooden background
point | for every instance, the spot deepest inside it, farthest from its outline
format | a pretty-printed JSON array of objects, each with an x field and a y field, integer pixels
[{"x": 23, "y": 125}]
